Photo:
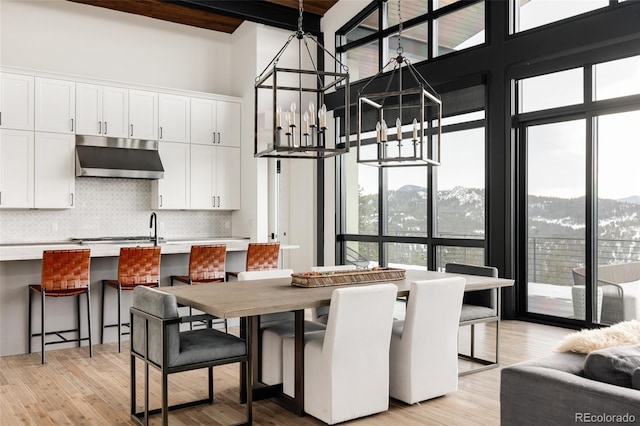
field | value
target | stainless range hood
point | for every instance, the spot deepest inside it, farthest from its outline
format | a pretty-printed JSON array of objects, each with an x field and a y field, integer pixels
[{"x": 117, "y": 157}]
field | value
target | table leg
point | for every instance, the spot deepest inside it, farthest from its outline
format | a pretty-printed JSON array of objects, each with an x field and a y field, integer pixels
[
  {"x": 249, "y": 330},
  {"x": 299, "y": 362}
]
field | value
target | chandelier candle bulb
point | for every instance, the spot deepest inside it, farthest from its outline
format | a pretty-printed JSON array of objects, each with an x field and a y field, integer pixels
[
  {"x": 399, "y": 129},
  {"x": 322, "y": 116},
  {"x": 305, "y": 126},
  {"x": 378, "y": 133},
  {"x": 278, "y": 118},
  {"x": 415, "y": 129},
  {"x": 312, "y": 114},
  {"x": 384, "y": 131},
  {"x": 293, "y": 114}
]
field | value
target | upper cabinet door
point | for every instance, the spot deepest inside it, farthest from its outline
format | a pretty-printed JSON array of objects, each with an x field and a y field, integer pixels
[
  {"x": 203, "y": 121},
  {"x": 16, "y": 101},
  {"x": 115, "y": 111},
  {"x": 101, "y": 110},
  {"x": 55, "y": 106},
  {"x": 143, "y": 115},
  {"x": 16, "y": 168},
  {"x": 88, "y": 109},
  {"x": 227, "y": 176},
  {"x": 228, "y": 123},
  {"x": 174, "y": 118},
  {"x": 54, "y": 171}
]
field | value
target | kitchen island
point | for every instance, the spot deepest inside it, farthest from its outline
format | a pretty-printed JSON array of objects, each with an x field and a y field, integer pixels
[{"x": 21, "y": 265}]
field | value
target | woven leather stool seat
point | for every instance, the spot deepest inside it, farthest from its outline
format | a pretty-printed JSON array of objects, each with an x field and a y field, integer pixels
[
  {"x": 136, "y": 266},
  {"x": 64, "y": 273},
  {"x": 206, "y": 265},
  {"x": 260, "y": 257}
]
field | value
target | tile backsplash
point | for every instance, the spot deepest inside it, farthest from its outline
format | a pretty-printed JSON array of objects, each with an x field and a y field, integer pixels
[{"x": 109, "y": 207}]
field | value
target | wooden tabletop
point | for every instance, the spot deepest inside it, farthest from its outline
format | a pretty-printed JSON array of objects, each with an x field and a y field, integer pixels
[{"x": 246, "y": 298}]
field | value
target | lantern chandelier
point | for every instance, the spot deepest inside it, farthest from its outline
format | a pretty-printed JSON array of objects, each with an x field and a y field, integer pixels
[
  {"x": 290, "y": 114},
  {"x": 409, "y": 106}
]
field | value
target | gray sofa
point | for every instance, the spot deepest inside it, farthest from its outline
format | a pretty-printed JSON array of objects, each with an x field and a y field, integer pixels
[{"x": 554, "y": 391}]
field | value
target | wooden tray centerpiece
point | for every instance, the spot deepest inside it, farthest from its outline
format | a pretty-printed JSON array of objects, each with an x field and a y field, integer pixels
[{"x": 360, "y": 276}]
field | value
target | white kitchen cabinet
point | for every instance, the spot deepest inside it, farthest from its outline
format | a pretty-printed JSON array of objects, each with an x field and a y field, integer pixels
[
  {"x": 16, "y": 168},
  {"x": 228, "y": 122},
  {"x": 215, "y": 177},
  {"x": 54, "y": 167},
  {"x": 172, "y": 192},
  {"x": 16, "y": 101},
  {"x": 174, "y": 118},
  {"x": 228, "y": 178},
  {"x": 215, "y": 122},
  {"x": 143, "y": 115},
  {"x": 55, "y": 105},
  {"x": 102, "y": 110}
]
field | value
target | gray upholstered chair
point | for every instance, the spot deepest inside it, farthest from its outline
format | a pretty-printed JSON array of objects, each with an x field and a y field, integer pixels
[
  {"x": 481, "y": 306},
  {"x": 423, "y": 361},
  {"x": 157, "y": 341}
]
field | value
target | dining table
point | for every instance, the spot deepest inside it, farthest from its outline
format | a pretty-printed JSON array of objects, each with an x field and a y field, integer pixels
[{"x": 248, "y": 300}]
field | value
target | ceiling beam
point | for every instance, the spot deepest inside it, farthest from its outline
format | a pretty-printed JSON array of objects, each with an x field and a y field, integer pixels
[
  {"x": 172, "y": 12},
  {"x": 262, "y": 12}
]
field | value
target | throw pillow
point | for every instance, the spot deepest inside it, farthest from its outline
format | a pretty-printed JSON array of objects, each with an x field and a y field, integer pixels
[
  {"x": 635, "y": 379},
  {"x": 615, "y": 366},
  {"x": 625, "y": 333}
]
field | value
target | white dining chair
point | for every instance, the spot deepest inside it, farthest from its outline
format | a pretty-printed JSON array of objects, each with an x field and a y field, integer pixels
[
  {"x": 346, "y": 367},
  {"x": 423, "y": 359},
  {"x": 273, "y": 328}
]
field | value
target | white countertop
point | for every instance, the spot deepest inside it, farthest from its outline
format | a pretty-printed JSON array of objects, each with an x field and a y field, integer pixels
[{"x": 33, "y": 251}]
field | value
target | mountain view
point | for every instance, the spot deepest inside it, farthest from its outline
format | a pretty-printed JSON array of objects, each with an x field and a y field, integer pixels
[{"x": 556, "y": 226}]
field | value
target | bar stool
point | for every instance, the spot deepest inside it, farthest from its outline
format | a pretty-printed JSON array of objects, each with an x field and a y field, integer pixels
[
  {"x": 206, "y": 265},
  {"x": 136, "y": 266},
  {"x": 260, "y": 257},
  {"x": 64, "y": 273}
]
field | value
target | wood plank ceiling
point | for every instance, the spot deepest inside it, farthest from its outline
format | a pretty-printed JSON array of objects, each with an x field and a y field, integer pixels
[{"x": 224, "y": 16}]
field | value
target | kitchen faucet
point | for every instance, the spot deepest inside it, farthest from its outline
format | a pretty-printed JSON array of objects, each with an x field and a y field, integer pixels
[{"x": 153, "y": 223}]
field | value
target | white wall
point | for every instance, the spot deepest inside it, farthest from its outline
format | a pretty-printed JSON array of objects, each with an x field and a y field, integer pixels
[{"x": 70, "y": 38}]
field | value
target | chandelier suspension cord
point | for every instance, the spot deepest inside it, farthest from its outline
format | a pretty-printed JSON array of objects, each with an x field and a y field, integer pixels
[
  {"x": 399, "y": 64},
  {"x": 399, "y": 50}
]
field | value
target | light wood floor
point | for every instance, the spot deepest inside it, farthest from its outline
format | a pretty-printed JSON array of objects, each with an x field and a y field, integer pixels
[{"x": 75, "y": 389}]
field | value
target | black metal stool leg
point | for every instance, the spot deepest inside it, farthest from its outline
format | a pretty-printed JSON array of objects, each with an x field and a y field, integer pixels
[
  {"x": 30, "y": 320},
  {"x": 102, "y": 317},
  {"x": 43, "y": 334},
  {"x": 119, "y": 320},
  {"x": 89, "y": 320},
  {"x": 79, "y": 322}
]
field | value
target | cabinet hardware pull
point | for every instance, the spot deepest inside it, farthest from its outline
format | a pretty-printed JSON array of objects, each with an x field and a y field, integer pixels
[
  {"x": 72, "y": 124},
  {"x": 99, "y": 127},
  {"x": 105, "y": 127},
  {"x": 160, "y": 132},
  {"x": 218, "y": 201},
  {"x": 218, "y": 137},
  {"x": 213, "y": 201},
  {"x": 131, "y": 130},
  {"x": 0, "y": 198},
  {"x": 72, "y": 199},
  {"x": 214, "y": 137},
  {"x": 161, "y": 201},
  {"x": 0, "y": 118}
]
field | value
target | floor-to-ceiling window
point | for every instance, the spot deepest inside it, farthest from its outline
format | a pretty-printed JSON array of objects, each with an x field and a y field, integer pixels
[
  {"x": 580, "y": 211},
  {"x": 524, "y": 179},
  {"x": 418, "y": 217}
]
